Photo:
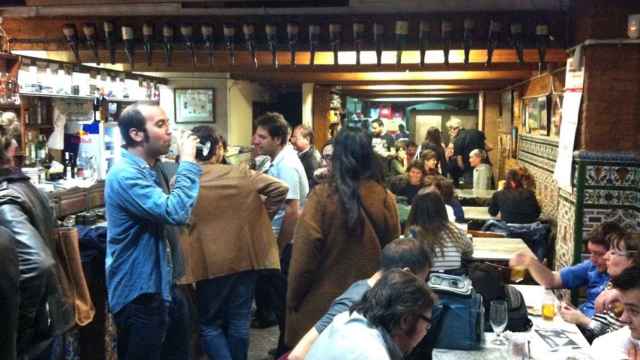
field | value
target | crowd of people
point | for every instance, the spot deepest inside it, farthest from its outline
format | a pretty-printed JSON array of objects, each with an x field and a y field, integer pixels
[{"x": 313, "y": 238}]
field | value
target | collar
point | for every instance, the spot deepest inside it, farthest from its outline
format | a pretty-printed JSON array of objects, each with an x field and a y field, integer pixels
[
  {"x": 281, "y": 155},
  {"x": 304, "y": 151}
]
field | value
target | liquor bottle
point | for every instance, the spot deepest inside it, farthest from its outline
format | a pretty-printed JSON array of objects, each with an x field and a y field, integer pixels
[
  {"x": 68, "y": 174},
  {"x": 41, "y": 150},
  {"x": 30, "y": 147}
]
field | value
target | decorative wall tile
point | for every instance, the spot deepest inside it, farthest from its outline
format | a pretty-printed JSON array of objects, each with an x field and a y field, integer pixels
[
  {"x": 565, "y": 236},
  {"x": 611, "y": 197},
  {"x": 628, "y": 218}
]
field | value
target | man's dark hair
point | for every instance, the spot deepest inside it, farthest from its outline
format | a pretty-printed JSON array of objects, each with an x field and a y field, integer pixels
[
  {"x": 601, "y": 234},
  {"x": 630, "y": 242},
  {"x": 398, "y": 294},
  {"x": 276, "y": 125},
  {"x": 411, "y": 143},
  {"x": 629, "y": 279},
  {"x": 306, "y": 133},
  {"x": 406, "y": 252},
  {"x": 416, "y": 164},
  {"x": 132, "y": 118},
  {"x": 377, "y": 122},
  {"x": 206, "y": 134}
]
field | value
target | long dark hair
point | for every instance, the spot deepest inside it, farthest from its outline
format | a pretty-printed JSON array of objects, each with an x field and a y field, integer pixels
[
  {"x": 429, "y": 221},
  {"x": 433, "y": 136},
  {"x": 353, "y": 161}
]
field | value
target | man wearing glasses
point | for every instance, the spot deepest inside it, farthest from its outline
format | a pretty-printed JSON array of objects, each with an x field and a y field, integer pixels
[{"x": 591, "y": 273}]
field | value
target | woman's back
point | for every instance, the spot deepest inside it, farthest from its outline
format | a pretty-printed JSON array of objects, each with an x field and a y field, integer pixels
[{"x": 450, "y": 247}]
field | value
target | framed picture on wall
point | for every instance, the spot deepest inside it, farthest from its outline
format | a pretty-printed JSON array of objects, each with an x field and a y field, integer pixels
[
  {"x": 194, "y": 105},
  {"x": 536, "y": 116},
  {"x": 556, "y": 114},
  {"x": 506, "y": 112}
]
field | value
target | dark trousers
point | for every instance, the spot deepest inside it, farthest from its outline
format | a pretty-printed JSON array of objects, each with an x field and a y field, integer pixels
[
  {"x": 149, "y": 328},
  {"x": 224, "y": 308},
  {"x": 271, "y": 295}
]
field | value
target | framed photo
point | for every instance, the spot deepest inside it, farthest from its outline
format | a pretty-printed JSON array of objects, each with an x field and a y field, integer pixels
[
  {"x": 556, "y": 114},
  {"x": 194, "y": 105},
  {"x": 506, "y": 112},
  {"x": 536, "y": 116}
]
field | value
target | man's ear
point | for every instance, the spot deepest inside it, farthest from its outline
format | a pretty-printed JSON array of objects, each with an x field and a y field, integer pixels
[{"x": 136, "y": 134}]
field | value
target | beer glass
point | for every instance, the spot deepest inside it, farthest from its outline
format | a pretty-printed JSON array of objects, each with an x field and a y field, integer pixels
[
  {"x": 518, "y": 273},
  {"x": 549, "y": 303}
]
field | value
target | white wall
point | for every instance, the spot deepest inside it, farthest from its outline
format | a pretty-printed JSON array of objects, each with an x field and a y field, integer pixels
[{"x": 240, "y": 115}]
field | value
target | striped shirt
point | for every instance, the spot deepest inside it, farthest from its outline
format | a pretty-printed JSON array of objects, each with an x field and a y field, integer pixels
[{"x": 450, "y": 257}]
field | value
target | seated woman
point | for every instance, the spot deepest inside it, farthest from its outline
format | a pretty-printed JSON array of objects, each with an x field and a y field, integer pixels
[
  {"x": 445, "y": 188},
  {"x": 515, "y": 203},
  {"x": 428, "y": 222},
  {"x": 623, "y": 253},
  {"x": 387, "y": 323},
  {"x": 482, "y": 175},
  {"x": 430, "y": 159},
  {"x": 408, "y": 185}
]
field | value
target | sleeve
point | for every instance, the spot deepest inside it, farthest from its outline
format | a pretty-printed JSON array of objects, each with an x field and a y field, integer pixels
[
  {"x": 341, "y": 304},
  {"x": 274, "y": 190},
  {"x": 494, "y": 204},
  {"x": 392, "y": 228},
  {"x": 536, "y": 206},
  {"x": 146, "y": 200},
  {"x": 307, "y": 251},
  {"x": 467, "y": 248},
  {"x": 575, "y": 276},
  {"x": 484, "y": 181},
  {"x": 458, "y": 147}
]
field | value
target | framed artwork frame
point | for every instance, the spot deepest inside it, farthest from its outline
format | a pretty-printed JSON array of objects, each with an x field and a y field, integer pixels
[
  {"x": 536, "y": 115},
  {"x": 556, "y": 114},
  {"x": 194, "y": 105}
]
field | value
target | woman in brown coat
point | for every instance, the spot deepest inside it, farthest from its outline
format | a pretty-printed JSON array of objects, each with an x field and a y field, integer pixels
[{"x": 338, "y": 239}]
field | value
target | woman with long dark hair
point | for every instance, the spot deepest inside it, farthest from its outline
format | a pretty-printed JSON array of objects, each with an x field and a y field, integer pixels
[
  {"x": 340, "y": 234},
  {"x": 515, "y": 203},
  {"x": 433, "y": 142},
  {"x": 429, "y": 223}
]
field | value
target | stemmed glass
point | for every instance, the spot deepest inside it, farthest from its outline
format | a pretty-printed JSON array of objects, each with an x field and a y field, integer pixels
[{"x": 498, "y": 317}]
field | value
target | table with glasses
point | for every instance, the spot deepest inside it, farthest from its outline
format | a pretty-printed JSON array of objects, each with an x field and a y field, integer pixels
[
  {"x": 547, "y": 339},
  {"x": 474, "y": 197},
  {"x": 496, "y": 248}
]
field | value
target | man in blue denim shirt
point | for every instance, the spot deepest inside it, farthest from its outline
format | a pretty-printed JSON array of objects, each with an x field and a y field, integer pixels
[{"x": 139, "y": 264}]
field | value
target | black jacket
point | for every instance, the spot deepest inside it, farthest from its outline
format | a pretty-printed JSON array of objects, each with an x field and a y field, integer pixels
[
  {"x": 310, "y": 160},
  {"x": 515, "y": 206},
  {"x": 45, "y": 310},
  {"x": 9, "y": 299}
]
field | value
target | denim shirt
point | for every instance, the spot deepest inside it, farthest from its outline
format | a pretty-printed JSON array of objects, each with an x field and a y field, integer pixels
[
  {"x": 138, "y": 259},
  {"x": 585, "y": 274}
]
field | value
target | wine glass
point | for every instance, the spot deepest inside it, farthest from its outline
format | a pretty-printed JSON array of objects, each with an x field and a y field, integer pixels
[{"x": 498, "y": 317}]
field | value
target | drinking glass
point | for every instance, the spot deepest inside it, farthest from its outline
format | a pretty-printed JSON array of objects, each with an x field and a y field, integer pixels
[
  {"x": 518, "y": 273},
  {"x": 498, "y": 317}
]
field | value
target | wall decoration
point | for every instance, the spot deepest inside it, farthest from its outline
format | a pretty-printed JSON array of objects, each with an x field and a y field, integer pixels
[
  {"x": 506, "y": 112},
  {"x": 536, "y": 116},
  {"x": 556, "y": 114},
  {"x": 194, "y": 105}
]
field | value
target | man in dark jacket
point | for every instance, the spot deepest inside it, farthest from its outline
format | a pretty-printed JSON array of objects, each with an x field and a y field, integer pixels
[
  {"x": 302, "y": 141},
  {"x": 27, "y": 223}
]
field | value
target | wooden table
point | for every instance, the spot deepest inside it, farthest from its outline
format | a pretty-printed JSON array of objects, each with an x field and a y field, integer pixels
[
  {"x": 477, "y": 213},
  {"x": 474, "y": 197},
  {"x": 564, "y": 340},
  {"x": 496, "y": 249}
]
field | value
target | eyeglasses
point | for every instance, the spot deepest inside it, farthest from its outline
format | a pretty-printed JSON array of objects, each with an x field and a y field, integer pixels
[
  {"x": 327, "y": 157},
  {"x": 426, "y": 319}
]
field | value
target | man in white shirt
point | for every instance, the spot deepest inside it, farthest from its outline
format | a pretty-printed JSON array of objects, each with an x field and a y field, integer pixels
[{"x": 624, "y": 343}]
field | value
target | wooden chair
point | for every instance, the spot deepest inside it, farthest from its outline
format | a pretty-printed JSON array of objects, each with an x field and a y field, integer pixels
[{"x": 485, "y": 234}]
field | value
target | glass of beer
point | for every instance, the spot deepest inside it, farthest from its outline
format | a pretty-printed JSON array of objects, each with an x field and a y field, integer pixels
[
  {"x": 518, "y": 273},
  {"x": 549, "y": 304}
]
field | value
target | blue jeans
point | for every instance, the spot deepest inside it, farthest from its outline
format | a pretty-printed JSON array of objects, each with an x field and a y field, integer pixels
[
  {"x": 224, "y": 308},
  {"x": 149, "y": 328}
]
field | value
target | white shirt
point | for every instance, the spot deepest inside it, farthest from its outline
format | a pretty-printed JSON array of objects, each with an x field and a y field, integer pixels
[{"x": 614, "y": 345}]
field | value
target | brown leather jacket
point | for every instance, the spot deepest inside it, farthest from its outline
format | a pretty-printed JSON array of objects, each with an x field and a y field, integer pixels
[{"x": 230, "y": 226}]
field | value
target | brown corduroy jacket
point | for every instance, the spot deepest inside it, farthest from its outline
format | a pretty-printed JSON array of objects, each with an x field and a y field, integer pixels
[
  {"x": 230, "y": 226},
  {"x": 327, "y": 259}
]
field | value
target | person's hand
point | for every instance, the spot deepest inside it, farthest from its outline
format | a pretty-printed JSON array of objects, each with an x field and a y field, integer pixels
[
  {"x": 572, "y": 315},
  {"x": 633, "y": 352},
  {"x": 187, "y": 148},
  {"x": 521, "y": 259},
  {"x": 606, "y": 299}
]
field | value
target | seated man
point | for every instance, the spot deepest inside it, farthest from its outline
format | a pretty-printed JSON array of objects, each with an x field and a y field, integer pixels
[
  {"x": 387, "y": 323},
  {"x": 403, "y": 253},
  {"x": 623, "y": 343},
  {"x": 591, "y": 273}
]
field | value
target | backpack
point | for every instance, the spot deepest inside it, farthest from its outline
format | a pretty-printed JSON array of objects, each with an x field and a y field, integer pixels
[{"x": 489, "y": 282}]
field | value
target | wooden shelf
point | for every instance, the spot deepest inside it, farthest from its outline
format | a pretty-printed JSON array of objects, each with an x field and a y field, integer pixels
[
  {"x": 55, "y": 96},
  {"x": 10, "y": 106}
]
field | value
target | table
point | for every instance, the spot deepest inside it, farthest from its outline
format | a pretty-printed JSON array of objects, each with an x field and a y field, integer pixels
[
  {"x": 497, "y": 249},
  {"x": 564, "y": 340},
  {"x": 477, "y": 213},
  {"x": 474, "y": 197}
]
